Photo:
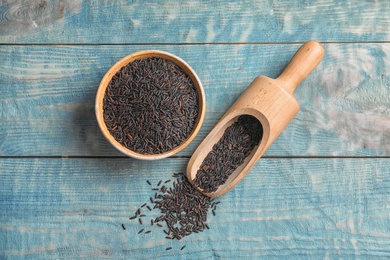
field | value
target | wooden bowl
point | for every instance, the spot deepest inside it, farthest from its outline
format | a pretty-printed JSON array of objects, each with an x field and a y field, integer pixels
[{"x": 144, "y": 55}]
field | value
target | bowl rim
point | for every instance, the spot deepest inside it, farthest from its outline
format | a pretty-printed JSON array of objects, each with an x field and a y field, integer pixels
[{"x": 143, "y": 54}]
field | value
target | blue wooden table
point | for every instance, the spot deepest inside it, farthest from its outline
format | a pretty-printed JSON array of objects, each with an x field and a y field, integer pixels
[{"x": 322, "y": 190}]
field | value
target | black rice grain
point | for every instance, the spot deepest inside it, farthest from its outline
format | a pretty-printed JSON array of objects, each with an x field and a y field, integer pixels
[
  {"x": 237, "y": 142},
  {"x": 150, "y": 100},
  {"x": 182, "y": 209}
]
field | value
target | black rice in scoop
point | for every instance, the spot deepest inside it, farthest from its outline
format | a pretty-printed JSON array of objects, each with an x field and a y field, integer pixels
[{"x": 229, "y": 153}]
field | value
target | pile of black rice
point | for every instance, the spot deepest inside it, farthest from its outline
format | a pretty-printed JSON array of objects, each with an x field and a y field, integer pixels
[{"x": 183, "y": 210}]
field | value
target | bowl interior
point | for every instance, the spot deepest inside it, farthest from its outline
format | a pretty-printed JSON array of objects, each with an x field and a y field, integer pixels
[{"x": 144, "y": 55}]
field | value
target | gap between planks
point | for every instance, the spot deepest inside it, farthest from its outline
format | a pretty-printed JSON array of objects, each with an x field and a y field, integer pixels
[
  {"x": 189, "y": 44},
  {"x": 187, "y": 157}
]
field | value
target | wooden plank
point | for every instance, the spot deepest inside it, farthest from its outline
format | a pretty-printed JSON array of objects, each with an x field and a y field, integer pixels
[
  {"x": 47, "y": 96},
  {"x": 138, "y": 21},
  {"x": 315, "y": 208}
]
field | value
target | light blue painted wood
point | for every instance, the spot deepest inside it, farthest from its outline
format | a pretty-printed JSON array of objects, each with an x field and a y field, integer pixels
[
  {"x": 47, "y": 96},
  {"x": 299, "y": 208},
  {"x": 314, "y": 208},
  {"x": 138, "y": 21}
]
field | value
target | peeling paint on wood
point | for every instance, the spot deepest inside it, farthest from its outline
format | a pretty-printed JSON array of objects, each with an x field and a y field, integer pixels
[
  {"x": 34, "y": 16},
  {"x": 55, "y": 208},
  {"x": 138, "y": 21},
  {"x": 48, "y": 94},
  {"x": 64, "y": 191}
]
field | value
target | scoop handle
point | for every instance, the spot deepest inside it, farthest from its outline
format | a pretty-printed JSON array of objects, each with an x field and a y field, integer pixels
[{"x": 308, "y": 56}]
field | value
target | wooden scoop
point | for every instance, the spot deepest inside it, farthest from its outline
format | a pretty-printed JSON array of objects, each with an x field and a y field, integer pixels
[{"x": 272, "y": 102}]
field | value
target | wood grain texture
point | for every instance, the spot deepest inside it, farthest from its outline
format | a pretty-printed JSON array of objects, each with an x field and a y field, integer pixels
[
  {"x": 138, "y": 21},
  {"x": 53, "y": 54},
  {"x": 306, "y": 208},
  {"x": 48, "y": 92}
]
